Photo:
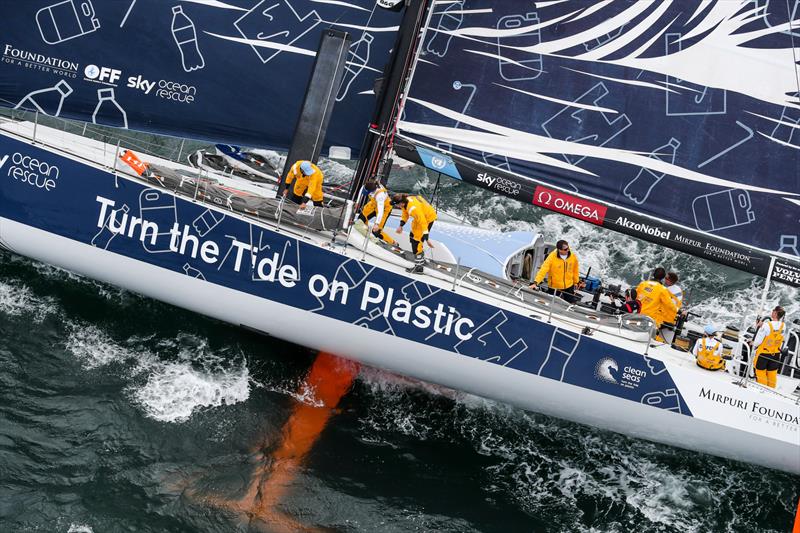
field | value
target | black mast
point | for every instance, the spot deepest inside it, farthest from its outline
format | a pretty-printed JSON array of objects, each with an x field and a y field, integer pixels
[{"x": 388, "y": 90}]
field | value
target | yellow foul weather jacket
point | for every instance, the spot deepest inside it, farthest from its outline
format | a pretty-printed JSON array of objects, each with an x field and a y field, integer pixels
[
  {"x": 657, "y": 302},
  {"x": 310, "y": 186},
  {"x": 561, "y": 273}
]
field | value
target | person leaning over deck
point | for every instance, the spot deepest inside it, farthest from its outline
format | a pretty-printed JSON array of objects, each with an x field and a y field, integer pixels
[
  {"x": 307, "y": 178},
  {"x": 378, "y": 206},
  {"x": 657, "y": 302},
  {"x": 708, "y": 350},
  {"x": 561, "y": 270},
  {"x": 422, "y": 215},
  {"x": 767, "y": 343}
]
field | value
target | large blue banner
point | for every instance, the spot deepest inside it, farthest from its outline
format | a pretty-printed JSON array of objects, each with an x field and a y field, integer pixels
[
  {"x": 687, "y": 111},
  {"x": 228, "y": 71}
]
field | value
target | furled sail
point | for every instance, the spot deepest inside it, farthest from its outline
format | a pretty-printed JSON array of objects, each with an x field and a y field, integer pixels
[
  {"x": 678, "y": 122},
  {"x": 225, "y": 70}
]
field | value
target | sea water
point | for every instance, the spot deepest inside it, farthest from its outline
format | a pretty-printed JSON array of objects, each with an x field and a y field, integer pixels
[{"x": 120, "y": 413}]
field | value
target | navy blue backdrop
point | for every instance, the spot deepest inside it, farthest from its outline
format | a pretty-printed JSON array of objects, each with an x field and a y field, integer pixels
[
  {"x": 228, "y": 71},
  {"x": 686, "y": 111}
]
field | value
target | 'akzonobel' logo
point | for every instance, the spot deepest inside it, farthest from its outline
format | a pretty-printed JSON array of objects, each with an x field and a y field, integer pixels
[{"x": 31, "y": 171}]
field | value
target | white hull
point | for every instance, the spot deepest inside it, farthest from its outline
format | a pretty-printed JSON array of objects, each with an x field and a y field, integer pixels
[
  {"x": 527, "y": 391},
  {"x": 511, "y": 352}
]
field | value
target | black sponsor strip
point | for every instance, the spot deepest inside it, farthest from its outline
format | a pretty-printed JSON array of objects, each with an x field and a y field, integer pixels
[{"x": 658, "y": 232}]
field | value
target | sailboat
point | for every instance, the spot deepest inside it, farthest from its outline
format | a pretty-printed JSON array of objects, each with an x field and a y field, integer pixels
[{"x": 608, "y": 112}]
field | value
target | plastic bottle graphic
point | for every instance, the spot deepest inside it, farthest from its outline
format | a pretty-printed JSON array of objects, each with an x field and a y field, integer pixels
[
  {"x": 562, "y": 346},
  {"x": 514, "y": 64},
  {"x": 207, "y": 221},
  {"x": 185, "y": 36},
  {"x": 788, "y": 129},
  {"x": 191, "y": 271},
  {"x": 789, "y": 245},
  {"x": 108, "y": 110},
  {"x": 48, "y": 101},
  {"x": 639, "y": 188},
  {"x": 723, "y": 210},
  {"x": 667, "y": 399},
  {"x": 357, "y": 59},
  {"x": 447, "y": 22},
  {"x": 66, "y": 20},
  {"x": 104, "y": 237}
]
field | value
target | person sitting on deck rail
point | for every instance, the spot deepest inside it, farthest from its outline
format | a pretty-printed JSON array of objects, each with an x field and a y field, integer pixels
[
  {"x": 422, "y": 215},
  {"x": 768, "y": 342},
  {"x": 657, "y": 303},
  {"x": 561, "y": 270},
  {"x": 378, "y": 206},
  {"x": 708, "y": 350},
  {"x": 307, "y": 178}
]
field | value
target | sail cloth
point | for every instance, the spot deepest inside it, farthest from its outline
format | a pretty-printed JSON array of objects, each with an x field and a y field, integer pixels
[
  {"x": 231, "y": 71},
  {"x": 685, "y": 112}
]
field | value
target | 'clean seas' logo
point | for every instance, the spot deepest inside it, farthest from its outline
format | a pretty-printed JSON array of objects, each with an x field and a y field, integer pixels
[{"x": 605, "y": 370}]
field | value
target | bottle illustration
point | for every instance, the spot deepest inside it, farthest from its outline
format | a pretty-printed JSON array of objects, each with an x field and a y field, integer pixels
[
  {"x": 789, "y": 126},
  {"x": 723, "y": 210},
  {"x": 357, "y": 59},
  {"x": 66, "y": 20},
  {"x": 108, "y": 110},
  {"x": 191, "y": 271},
  {"x": 515, "y": 64},
  {"x": 789, "y": 245},
  {"x": 667, "y": 399},
  {"x": 158, "y": 207},
  {"x": 185, "y": 35},
  {"x": 562, "y": 346},
  {"x": 447, "y": 22},
  {"x": 207, "y": 221},
  {"x": 48, "y": 101},
  {"x": 104, "y": 237},
  {"x": 639, "y": 188}
]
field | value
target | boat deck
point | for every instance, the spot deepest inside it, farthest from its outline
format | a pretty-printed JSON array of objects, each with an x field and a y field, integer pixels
[{"x": 631, "y": 332}]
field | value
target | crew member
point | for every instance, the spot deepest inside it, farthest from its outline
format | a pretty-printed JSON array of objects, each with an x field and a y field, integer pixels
[
  {"x": 561, "y": 270},
  {"x": 307, "y": 178},
  {"x": 422, "y": 215},
  {"x": 632, "y": 305},
  {"x": 708, "y": 350},
  {"x": 767, "y": 343},
  {"x": 657, "y": 302},
  {"x": 379, "y": 206},
  {"x": 675, "y": 290}
]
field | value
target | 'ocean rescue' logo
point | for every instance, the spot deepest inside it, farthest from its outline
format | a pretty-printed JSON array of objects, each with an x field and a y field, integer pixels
[{"x": 30, "y": 171}]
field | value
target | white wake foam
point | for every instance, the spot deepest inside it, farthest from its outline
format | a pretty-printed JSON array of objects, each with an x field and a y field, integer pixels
[
  {"x": 171, "y": 380},
  {"x": 18, "y": 300}
]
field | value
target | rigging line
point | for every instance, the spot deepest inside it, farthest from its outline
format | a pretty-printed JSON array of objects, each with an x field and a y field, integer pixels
[{"x": 794, "y": 53}]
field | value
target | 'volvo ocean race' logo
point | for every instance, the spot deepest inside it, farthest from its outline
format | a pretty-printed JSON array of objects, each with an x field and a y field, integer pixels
[{"x": 567, "y": 204}]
